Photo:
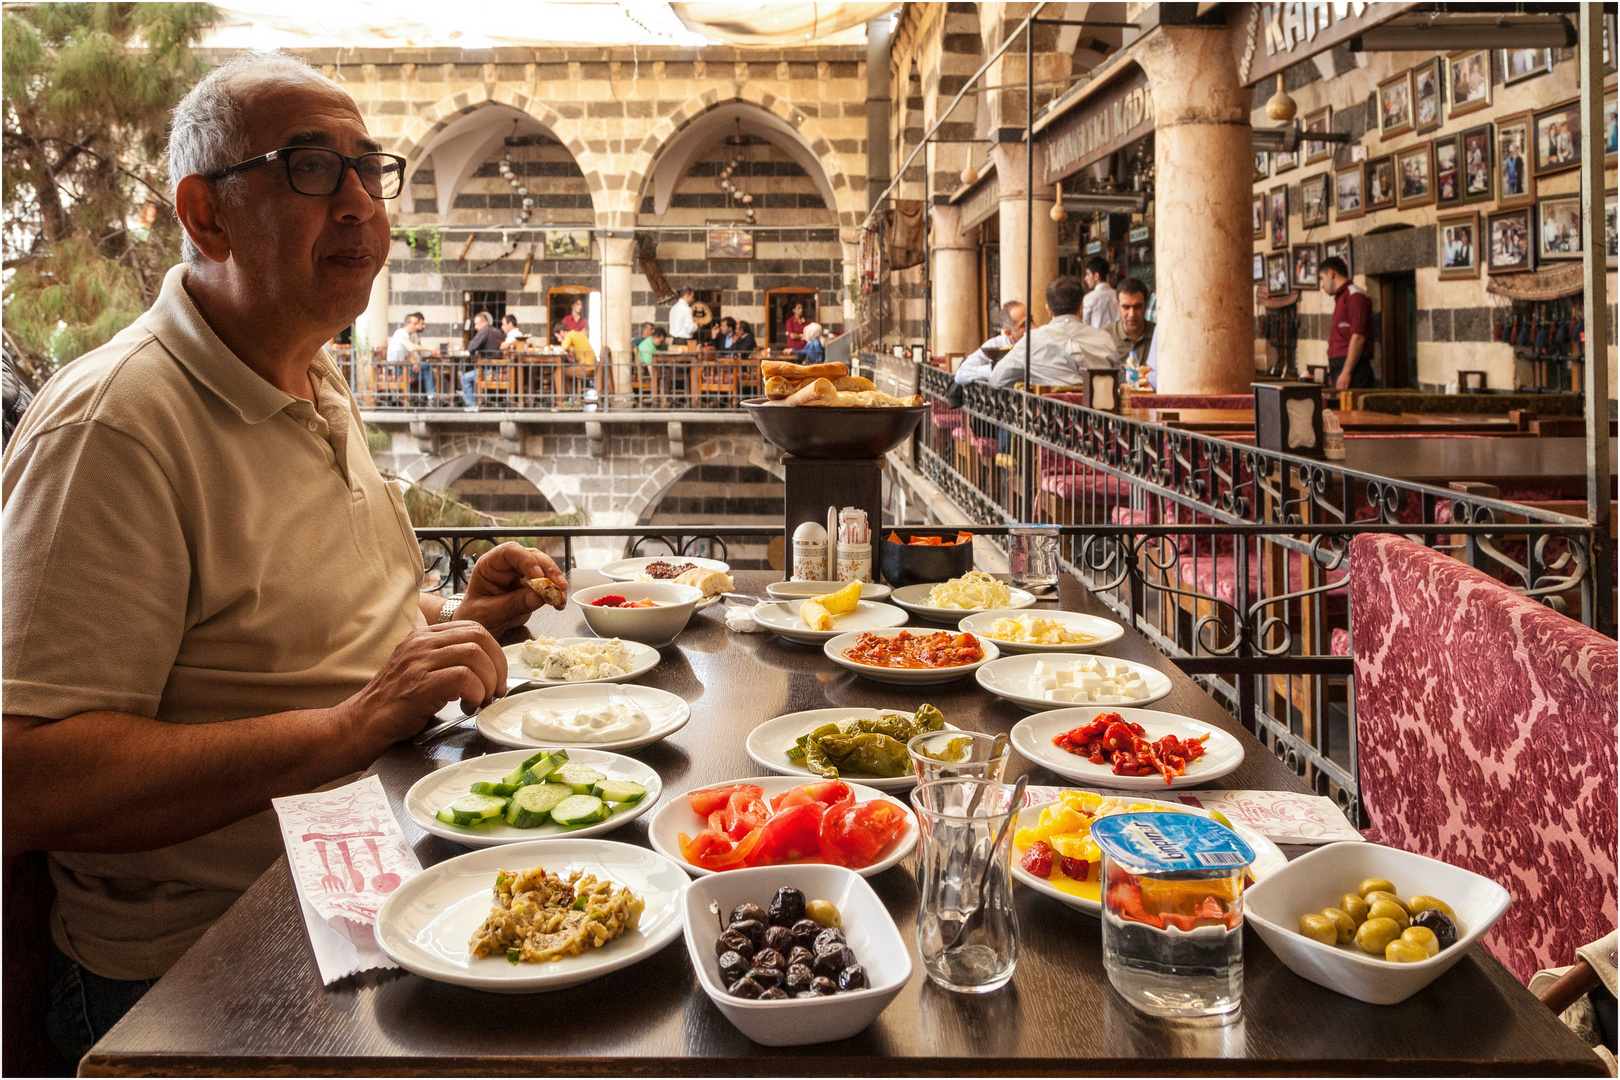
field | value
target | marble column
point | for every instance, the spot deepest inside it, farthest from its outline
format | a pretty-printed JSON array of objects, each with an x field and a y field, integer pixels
[
  {"x": 955, "y": 275},
  {"x": 1016, "y": 238},
  {"x": 1202, "y": 232},
  {"x": 616, "y": 254}
]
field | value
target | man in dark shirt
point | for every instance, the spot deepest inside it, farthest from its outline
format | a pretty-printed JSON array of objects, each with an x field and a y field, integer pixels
[
  {"x": 1350, "y": 336},
  {"x": 485, "y": 339}
]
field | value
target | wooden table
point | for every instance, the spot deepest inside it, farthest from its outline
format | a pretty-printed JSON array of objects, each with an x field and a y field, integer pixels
[
  {"x": 1224, "y": 421},
  {"x": 1553, "y": 462},
  {"x": 247, "y": 998}
]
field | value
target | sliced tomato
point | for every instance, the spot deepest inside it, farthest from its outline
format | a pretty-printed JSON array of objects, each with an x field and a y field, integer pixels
[
  {"x": 826, "y": 792},
  {"x": 709, "y": 800},
  {"x": 856, "y": 836},
  {"x": 709, "y": 842},
  {"x": 714, "y": 851},
  {"x": 790, "y": 835},
  {"x": 742, "y": 814}
]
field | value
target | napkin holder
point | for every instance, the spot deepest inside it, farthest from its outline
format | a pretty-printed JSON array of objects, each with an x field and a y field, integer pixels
[{"x": 1288, "y": 418}]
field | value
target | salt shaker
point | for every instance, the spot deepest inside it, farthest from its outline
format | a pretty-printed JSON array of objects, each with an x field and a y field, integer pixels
[{"x": 810, "y": 552}]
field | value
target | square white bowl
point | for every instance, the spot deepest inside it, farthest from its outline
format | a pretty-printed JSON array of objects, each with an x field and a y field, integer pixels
[
  {"x": 867, "y": 924},
  {"x": 1317, "y": 879},
  {"x": 656, "y": 626}
]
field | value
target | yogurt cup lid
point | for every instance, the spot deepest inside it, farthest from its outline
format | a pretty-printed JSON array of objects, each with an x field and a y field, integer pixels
[{"x": 1170, "y": 843}]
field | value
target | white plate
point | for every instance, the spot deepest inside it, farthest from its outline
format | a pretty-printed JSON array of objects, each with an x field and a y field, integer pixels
[
  {"x": 502, "y": 722},
  {"x": 643, "y": 658},
  {"x": 442, "y": 787},
  {"x": 834, "y": 650},
  {"x": 1268, "y": 858},
  {"x": 426, "y": 924},
  {"x": 914, "y": 598},
  {"x": 677, "y": 816},
  {"x": 627, "y": 569},
  {"x": 784, "y": 619},
  {"x": 804, "y": 590},
  {"x": 768, "y": 744},
  {"x": 1106, "y": 631},
  {"x": 1009, "y": 678},
  {"x": 1032, "y": 737}
]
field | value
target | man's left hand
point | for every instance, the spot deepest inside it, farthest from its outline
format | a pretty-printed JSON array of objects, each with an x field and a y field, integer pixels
[{"x": 496, "y": 596}]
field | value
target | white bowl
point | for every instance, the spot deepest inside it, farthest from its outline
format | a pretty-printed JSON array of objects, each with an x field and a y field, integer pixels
[
  {"x": 1317, "y": 879},
  {"x": 656, "y": 626},
  {"x": 876, "y": 941},
  {"x": 834, "y": 648}
]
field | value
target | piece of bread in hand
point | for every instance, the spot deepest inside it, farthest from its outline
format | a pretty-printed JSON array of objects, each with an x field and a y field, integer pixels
[{"x": 549, "y": 593}]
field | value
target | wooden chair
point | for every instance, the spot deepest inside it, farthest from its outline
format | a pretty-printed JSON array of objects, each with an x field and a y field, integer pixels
[
  {"x": 496, "y": 379},
  {"x": 713, "y": 380}
]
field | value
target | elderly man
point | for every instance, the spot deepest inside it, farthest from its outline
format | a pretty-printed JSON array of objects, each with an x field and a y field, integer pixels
[
  {"x": 486, "y": 343},
  {"x": 211, "y": 595},
  {"x": 1060, "y": 350},
  {"x": 977, "y": 366}
]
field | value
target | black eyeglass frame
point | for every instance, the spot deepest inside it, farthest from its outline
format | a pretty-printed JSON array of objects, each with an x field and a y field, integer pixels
[{"x": 285, "y": 156}]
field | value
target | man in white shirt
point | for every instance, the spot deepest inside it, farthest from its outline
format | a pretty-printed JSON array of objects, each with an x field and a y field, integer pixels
[
  {"x": 977, "y": 365},
  {"x": 515, "y": 338},
  {"x": 403, "y": 348},
  {"x": 1102, "y": 303},
  {"x": 682, "y": 326},
  {"x": 1062, "y": 349}
]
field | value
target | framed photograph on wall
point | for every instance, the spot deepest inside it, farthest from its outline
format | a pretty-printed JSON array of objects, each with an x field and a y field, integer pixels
[
  {"x": 1521, "y": 64},
  {"x": 1456, "y": 239},
  {"x": 1278, "y": 203},
  {"x": 1558, "y": 138},
  {"x": 1611, "y": 129},
  {"x": 1611, "y": 238},
  {"x": 1259, "y": 217},
  {"x": 1508, "y": 234},
  {"x": 1281, "y": 162},
  {"x": 1448, "y": 170},
  {"x": 1514, "y": 184},
  {"x": 1608, "y": 44},
  {"x": 1476, "y": 159},
  {"x": 1340, "y": 248},
  {"x": 1313, "y": 201},
  {"x": 1259, "y": 267},
  {"x": 1468, "y": 78},
  {"x": 1395, "y": 106},
  {"x": 1380, "y": 190},
  {"x": 568, "y": 243},
  {"x": 1558, "y": 229},
  {"x": 1262, "y": 165},
  {"x": 1320, "y": 121},
  {"x": 1414, "y": 176},
  {"x": 1428, "y": 95},
  {"x": 728, "y": 243},
  {"x": 1347, "y": 193},
  {"x": 1306, "y": 259},
  {"x": 1277, "y": 274}
]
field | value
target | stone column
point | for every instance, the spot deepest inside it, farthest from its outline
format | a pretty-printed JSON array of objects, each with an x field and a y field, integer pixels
[
  {"x": 370, "y": 331},
  {"x": 616, "y": 253},
  {"x": 1010, "y": 180},
  {"x": 1202, "y": 237},
  {"x": 956, "y": 284}
]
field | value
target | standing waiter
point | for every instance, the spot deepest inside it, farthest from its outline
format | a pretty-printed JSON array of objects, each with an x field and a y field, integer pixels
[{"x": 1349, "y": 344}]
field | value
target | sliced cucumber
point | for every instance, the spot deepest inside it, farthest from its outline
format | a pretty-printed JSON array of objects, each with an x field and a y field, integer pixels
[
  {"x": 579, "y": 777},
  {"x": 531, "y": 807},
  {"x": 474, "y": 809},
  {"x": 502, "y": 789},
  {"x": 536, "y": 768},
  {"x": 619, "y": 791},
  {"x": 579, "y": 810}
]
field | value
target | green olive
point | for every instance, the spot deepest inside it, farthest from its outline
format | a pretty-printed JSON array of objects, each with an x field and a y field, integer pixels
[
  {"x": 1383, "y": 909},
  {"x": 1379, "y": 894},
  {"x": 1374, "y": 884},
  {"x": 1354, "y": 906},
  {"x": 1342, "y": 922},
  {"x": 1422, "y": 902},
  {"x": 1423, "y": 938},
  {"x": 1401, "y": 951},
  {"x": 1319, "y": 928},
  {"x": 1377, "y": 933},
  {"x": 823, "y": 912}
]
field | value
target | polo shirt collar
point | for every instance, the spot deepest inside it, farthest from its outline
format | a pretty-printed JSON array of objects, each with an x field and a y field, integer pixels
[{"x": 176, "y": 322}]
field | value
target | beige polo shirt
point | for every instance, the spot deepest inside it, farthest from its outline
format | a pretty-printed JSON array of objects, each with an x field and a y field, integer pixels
[{"x": 186, "y": 542}]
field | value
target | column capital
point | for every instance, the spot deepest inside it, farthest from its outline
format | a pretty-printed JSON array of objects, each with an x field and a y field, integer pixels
[
  {"x": 616, "y": 251},
  {"x": 948, "y": 234},
  {"x": 1192, "y": 75},
  {"x": 1010, "y": 167}
]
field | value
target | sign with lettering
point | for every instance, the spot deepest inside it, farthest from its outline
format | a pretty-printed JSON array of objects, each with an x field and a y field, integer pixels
[
  {"x": 1139, "y": 234},
  {"x": 1271, "y": 37},
  {"x": 980, "y": 202},
  {"x": 1099, "y": 125}
]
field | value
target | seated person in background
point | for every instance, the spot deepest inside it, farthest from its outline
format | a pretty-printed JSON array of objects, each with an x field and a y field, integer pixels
[
  {"x": 1063, "y": 348},
  {"x": 743, "y": 344},
  {"x": 403, "y": 349},
  {"x": 646, "y": 332},
  {"x": 580, "y": 362},
  {"x": 486, "y": 340},
  {"x": 575, "y": 319},
  {"x": 716, "y": 335},
  {"x": 653, "y": 342},
  {"x": 977, "y": 365},
  {"x": 514, "y": 338},
  {"x": 814, "y": 351},
  {"x": 795, "y": 326},
  {"x": 728, "y": 334},
  {"x": 1133, "y": 329}
]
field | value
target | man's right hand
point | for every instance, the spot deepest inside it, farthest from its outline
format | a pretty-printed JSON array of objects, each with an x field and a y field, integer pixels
[{"x": 432, "y": 666}]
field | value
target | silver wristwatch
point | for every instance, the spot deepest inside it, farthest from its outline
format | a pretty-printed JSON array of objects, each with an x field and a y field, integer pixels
[{"x": 448, "y": 612}]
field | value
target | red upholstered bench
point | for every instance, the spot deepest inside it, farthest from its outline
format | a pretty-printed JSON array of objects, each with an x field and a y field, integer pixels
[
  {"x": 1192, "y": 401},
  {"x": 1486, "y": 727}
]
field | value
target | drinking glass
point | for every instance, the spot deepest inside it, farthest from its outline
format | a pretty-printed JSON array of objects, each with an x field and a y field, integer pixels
[
  {"x": 967, "y": 930},
  {"x": 976, "y": 755},
  {"x": 1032, "y": 555}
]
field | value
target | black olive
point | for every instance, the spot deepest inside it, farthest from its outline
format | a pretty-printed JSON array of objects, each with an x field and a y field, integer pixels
[
  {"x": 733, "y": 966},
  {"x": 766, "y": 976},
  {"x": 853, "y": 978},
  {"x": 787, "y": 906},
  {"x": 805, "y": 931},
  {"x": 780, "y": 939},
  {"x": 801, "y": 955},
  {"x": 774, "y": 993},
  {"x": 735, "y": 941},
  {"x": 746, "y": 988},
  {"x": 750, "y": 928},
  {"x": 770, "y": 958},
  {"x": 832, "y": 960},
  {"x": 799, "y": 977},
  {"x": 1445, "y": 931},
  {"x": 828, "y": 937},
  {"x": 746, "y": 913},
  {"x": 823, "y": 986}
]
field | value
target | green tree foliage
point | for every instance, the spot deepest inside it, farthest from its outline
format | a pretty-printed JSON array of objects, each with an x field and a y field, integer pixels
[{"x": 88, "y": 228}]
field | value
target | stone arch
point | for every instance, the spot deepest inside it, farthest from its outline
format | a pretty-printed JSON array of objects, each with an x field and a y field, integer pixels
[
  {"x": 456, "y": 454},
  {"x": 849, "y": 205},
  {"x": 724, "y": 450}
]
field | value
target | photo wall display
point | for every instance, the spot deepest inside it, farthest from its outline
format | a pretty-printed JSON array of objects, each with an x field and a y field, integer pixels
[
  {"x": 1514, "y": 184},
  {"x": 1395, "y": 106},
  {"x": 1313, "y": 201},
  {"x": 1340, "y": 248},
  {"x": 1277, "y": 274},
  {"x": 1428, "y": 95},
  {"x": 1307, "y": 258},
  {"x": 1611, "y": 238},
  {"x": 1509, "y": 239},
  {"x": 1259, "y": 267},
  {"x": 1347, "y": 193},
  {"x": 1468, "y": 81},
  {"x": 1259, "y": 217},
  {"x": 1518, "y": 65},
  {"x": 1380, "y": 183},
  {"x": 1320, "y": 121},
  {"x": 1557, "y": 138},
  {"x": 1476, "y": 160},
  {"x": 1558, "y": 229},
  {"x": 1279, "y": 217},
  {"x": 1448, "y": 170},
  {"x": 1457, "y": 245},
  {"x": 1414, "y": 176}
]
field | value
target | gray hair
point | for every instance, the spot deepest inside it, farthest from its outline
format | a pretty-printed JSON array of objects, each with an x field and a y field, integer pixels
[{"x": 207, "y": 132}]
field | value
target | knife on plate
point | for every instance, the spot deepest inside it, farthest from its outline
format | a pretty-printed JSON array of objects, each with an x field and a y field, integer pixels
[{"x": 427, "y": 735}]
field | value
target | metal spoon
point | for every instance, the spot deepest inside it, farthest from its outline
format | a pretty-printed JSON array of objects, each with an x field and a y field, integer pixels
[{"x": 976, "y": 916}]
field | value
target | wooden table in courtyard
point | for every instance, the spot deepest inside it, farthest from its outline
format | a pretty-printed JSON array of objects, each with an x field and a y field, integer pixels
[{"x": 248, "y": 999}]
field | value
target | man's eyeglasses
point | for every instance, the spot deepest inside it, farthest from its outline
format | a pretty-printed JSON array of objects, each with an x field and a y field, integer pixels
[{"x": 315, "y": 170}]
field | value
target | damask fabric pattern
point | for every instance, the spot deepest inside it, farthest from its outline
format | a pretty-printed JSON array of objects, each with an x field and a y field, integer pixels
[{"x": 1486, "y": 725}]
